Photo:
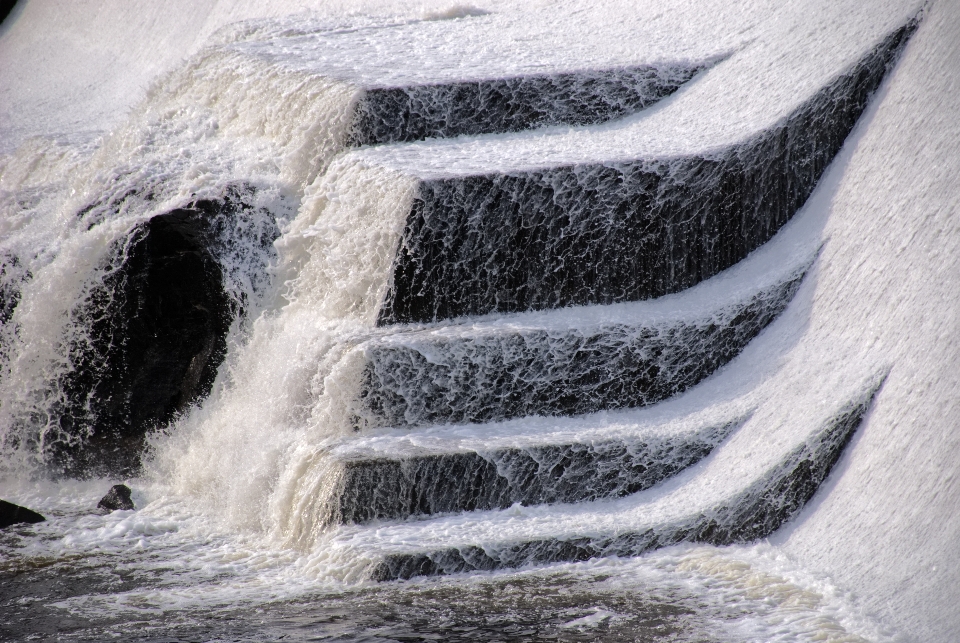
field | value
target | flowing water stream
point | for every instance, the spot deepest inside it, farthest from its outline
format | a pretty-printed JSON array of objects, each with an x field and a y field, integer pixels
[{"x": 232, "y": 537}]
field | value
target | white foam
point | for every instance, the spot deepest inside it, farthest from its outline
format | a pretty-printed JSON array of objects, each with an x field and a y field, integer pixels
[
  {"x": 782, "y": 62},
  {"x": 633, "y": 425},
  {"x": 875, "y": 546}
]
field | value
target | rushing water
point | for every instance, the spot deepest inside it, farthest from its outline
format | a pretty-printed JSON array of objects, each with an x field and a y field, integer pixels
[{"x": 231, "y": 538}]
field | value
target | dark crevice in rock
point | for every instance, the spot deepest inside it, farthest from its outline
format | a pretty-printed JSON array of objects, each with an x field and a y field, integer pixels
[{"x": 625, "y": 231}]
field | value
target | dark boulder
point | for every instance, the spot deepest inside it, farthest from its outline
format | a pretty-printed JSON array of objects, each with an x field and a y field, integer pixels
[
  {"x": 156, "y": 329},
  {"x": 6, "y": 6},
  {"x": 11, "y": 514},
  {"x": 117, "y": 498}
]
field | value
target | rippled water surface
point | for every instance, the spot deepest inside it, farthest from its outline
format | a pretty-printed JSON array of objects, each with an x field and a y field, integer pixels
[{"x": 167, "y": 572}]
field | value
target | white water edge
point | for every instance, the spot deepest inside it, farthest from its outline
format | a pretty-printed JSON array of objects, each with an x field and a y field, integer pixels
[{"x": 103, "y": 98}]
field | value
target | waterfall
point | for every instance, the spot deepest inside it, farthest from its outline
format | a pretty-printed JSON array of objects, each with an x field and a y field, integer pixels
[{"x": 399, "y": 294}]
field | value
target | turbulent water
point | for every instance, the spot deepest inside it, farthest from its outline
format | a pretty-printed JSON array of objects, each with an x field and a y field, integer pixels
[{"x": 289, "y": 472}]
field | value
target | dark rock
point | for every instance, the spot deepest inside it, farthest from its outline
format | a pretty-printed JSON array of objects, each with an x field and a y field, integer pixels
[
  {"x": 11, "y": 514},
  {"x": 156, "y": 329},
  {"x": 6, "y": 6},
  {"x": 12, "y": 277},
  {"x": 117, "y": 498}
]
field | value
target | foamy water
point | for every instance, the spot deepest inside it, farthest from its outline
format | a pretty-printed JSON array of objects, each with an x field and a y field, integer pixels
[
  {"x": 226, "y": 541},
  {"x": 166, "y": 572}
]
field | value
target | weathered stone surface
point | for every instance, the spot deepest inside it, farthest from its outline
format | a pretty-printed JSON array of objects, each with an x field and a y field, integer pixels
[
  {"x": 11, "y": 514},
  {"x": 118, "y": 498}
]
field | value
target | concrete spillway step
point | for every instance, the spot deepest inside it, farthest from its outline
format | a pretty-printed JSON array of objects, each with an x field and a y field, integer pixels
[
  {"x": 726, "y": 501},
  {"x": 635, "y": 209},
  {"x": 517, "y": 239},
  {"x": 411, "y": 113},
  {"x": 466, "y": 77},
  {"x": 537, "y": 461},
  {"x": 577, "y": 360}
]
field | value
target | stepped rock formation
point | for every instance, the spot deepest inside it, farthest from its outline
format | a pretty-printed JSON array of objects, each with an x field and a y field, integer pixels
[
  {"x": 558, "y": 363},
  {"x": 536, "y": 231},
  {"x": 619, "y": 231},
  {"x": 753, "y": 512}
]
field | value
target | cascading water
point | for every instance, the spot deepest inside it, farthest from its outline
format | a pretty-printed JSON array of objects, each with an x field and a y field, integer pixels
[{"x": 325, "y": 352}]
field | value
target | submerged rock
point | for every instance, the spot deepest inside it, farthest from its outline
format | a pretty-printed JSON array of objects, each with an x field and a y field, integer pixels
[
  {"x": 117, "y": 498},
  {"x": 11, "y": 514}
]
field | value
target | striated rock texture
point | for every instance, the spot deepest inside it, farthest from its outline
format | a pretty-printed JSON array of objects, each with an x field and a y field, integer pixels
[{"x": 620, "y": 231}]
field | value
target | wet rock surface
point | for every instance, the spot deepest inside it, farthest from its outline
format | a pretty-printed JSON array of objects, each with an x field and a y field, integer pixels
[
  {"x": 395, "y": 114},
  {"x": 484, "y": 377},
  {"x": 620, "y": 231},
  {"x": 118, "y": 498},
  {"x": 12, "y": 275},
  {"x": 396, "y": 488},
  {"x": 11, "y": 514},
  {"x": 157, "y": 329},
  {"x": 754, "y": 513}
]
